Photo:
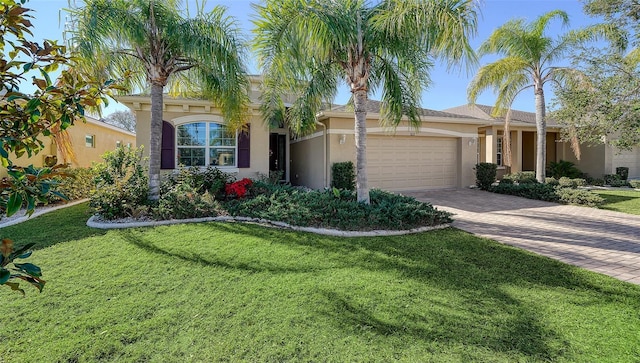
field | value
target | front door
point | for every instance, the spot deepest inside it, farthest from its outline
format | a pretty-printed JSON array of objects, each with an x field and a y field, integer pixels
[{"x": 277, "y": 154}]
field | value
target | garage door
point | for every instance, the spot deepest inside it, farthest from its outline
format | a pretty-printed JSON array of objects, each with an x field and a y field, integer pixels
[{"x": 411, "y": 162}]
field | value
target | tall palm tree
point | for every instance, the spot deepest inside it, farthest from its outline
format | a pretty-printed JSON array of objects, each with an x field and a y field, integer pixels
[
  {"x": 160, "y": 45},
  {"x": 309, "y": 47},
  {"x": 528, "y": 63}
]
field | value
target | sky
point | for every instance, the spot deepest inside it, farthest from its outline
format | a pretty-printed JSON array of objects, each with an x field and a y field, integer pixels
[{"x": 448, "y": 87}]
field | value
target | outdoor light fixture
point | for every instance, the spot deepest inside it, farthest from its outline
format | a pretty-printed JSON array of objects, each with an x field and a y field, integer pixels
[{"x": 343, "y": 139}]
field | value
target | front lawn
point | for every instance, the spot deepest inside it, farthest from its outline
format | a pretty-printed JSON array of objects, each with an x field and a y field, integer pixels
[
  {"x": 239, "y": 292},
  {"x": 626, "y": 201}
]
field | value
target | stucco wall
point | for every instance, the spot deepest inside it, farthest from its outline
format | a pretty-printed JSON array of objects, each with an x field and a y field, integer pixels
[
  {"x": 629, "y": 159},
  {"x": 106, "y": 137},
  {"x": 592, "y": 159},
  {"x": 307, "y": 161},
  {"x": 259, "y": 160}
]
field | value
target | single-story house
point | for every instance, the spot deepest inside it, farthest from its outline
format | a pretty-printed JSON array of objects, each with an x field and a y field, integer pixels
[
  {"x": 595, "y": 160},
  {"x": 89, "y": 141},
  {"x": 441, "y": 153}
]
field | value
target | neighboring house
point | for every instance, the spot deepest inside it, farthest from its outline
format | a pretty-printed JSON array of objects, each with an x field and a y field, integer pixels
[
  {"x": 595, "y": 160},
  {"x": 89, "y": 141}
]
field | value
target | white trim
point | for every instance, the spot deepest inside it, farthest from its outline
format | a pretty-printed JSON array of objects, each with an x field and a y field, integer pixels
[
  {"x": 420, "y": 132},
  {"x": 195, "y": 118},
  {"x": 308, "y": 137}
]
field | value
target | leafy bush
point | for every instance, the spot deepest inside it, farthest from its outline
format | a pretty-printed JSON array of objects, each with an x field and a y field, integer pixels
[
  {"x": 537, "y": 191},
  {"x": 184, "y": 201},
  {"x": 210, "y": 180},
  {"x": 238, "y": 189},
  {"x": 343, "y": 175},
  {"x": 78, "y": 184},
  {"x": 121, "y": 184},
  {"x": 485, "y": 175},
  {"x": 12, "y": 270},
  {"x": 563, "y": 168},
  {"x": 634, "y": 183},
  {"x": 506, "y": 181},
  {"x": 614, "y": 180},
  {"x": 566, "y": 182},
  {"x": 522, "y": 177},
  {"x": 551, "y": 181},
  {"x": 598, "y": 182},
  {"x": 579, "y": 197},
  {"x": 623, "y": 172},
  {"x": 338, "y": 209}
]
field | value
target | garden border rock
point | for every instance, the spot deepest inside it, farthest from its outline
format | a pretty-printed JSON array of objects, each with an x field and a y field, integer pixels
[{"x": 95, "y": 222}]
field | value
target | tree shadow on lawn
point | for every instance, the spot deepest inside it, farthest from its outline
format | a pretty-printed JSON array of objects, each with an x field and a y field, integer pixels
[
  {"x": 441, "y": 287},
  {"x": 63, "y": 225}
]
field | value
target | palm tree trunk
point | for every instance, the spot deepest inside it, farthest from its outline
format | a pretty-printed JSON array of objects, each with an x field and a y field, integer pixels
[
  {"x": 359, "y": 104},
  {"x": 506, "y": 145},
  {"x": 541, "y": 128},
  {"x": 155, "y": 144}
]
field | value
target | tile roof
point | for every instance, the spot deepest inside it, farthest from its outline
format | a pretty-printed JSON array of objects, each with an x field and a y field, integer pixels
[
  {"x": 373, "y": 106},
  {"x": 484, "y": 111}
]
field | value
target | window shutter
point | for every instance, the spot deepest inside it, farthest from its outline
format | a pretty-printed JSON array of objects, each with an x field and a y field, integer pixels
[
  {"x": 244, "y": 148},
  {"x": 168, "y": 148}
]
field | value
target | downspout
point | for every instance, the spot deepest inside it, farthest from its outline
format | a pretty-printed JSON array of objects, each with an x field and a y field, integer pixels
[{"x": 325, "y": 149}]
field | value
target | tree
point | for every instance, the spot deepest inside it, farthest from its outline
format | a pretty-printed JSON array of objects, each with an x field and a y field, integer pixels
[
  {"x": 123, "y": 119},
  {"x": 309, "y": 47},
  {"x": 622, "y": 13},
  {"x": 528, "y": 62},
  {"x": 25, "y": 118},
  {"x": 601, "y": 101},
  {"x": 162, "y": 46}
]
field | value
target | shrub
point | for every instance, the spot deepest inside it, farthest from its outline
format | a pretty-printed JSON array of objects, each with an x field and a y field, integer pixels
[
  {"x": 634, "y": 183},
  {"x": 597, "y": 182},
  {"x": 579, "y": 197},
  {"x": 184, "y": 201},
  {"x": 623, "y": 172},
  {"x": 611, "y": 178},
  {"x": 566, "y": 182},
  {"x": 537, "y": 191},
  {"x": 78, "y": 184},
  {"x": 523, "y": 177},
  {"x": 343, "y": 175},
  {"x": 580, "y": 182},
  {"x": 336, "y": 209},
  {"x": 563, "y": 168},
  {"x": 506, "y": 181},
  {"x": 485, "y": 175},
  {"x": 238, "y": 189},
  {"x": 210, "y": 180},
  {"x": 121, "y": 184},
  {"x": 551, "y": 181}
]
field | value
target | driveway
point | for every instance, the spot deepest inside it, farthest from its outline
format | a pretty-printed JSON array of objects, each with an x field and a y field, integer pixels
[{"x": 599, "y": 240}]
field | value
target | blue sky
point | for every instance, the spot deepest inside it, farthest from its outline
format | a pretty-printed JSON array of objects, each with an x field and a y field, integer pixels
[{"x": 448, "y": 88}]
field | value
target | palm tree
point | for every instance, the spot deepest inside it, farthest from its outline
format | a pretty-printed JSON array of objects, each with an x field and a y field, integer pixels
[
  {"x": 309, "y": 47},
  {"x": 160, "y": 46},
  {"x": 528, "y": 63}
]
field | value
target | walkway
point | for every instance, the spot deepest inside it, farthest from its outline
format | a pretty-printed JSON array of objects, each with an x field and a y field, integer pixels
[{"x": 599, "y": 240}]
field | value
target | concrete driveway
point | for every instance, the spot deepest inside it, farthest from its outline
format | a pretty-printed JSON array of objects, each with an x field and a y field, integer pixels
[{"x": 599, "y": 240}]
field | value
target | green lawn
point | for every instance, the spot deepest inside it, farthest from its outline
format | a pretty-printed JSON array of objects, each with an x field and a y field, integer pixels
[
  {"x": 238, "y": 292},
  {"x": 626, "y": 201}
]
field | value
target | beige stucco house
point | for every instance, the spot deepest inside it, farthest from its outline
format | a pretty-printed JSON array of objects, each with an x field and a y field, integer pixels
[
  {"x": 194, "y": 134},
  {"x": 595, "y": 160},
  {"x": 89, "y": 141}
]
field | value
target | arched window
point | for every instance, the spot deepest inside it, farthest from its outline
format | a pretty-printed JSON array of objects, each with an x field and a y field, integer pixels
[{"x": 206, "y": 144}]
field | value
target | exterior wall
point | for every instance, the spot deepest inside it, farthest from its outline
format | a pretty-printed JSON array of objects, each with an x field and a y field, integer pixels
[
  {"x": 106, "y": 137},
  {"x": 627, "y": 158},
  {"x": 259, "y": 136},
  {"x": 308, "y": 161},
  {"x": 592, "y": 159},
  {"x": 338, "y": 126}
]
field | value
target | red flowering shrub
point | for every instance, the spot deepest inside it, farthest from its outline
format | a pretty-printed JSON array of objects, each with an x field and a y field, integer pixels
[{"x": 239, "y": 188}]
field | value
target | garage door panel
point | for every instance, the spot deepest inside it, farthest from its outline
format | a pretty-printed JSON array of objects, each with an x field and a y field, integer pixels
[{"x": 402, "y": 163}]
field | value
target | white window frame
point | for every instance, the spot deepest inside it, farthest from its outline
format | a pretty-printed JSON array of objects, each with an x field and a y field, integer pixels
[
  {"x": 499, "y": 153},
  {"x": 208, "y": 121},
  {"x": 91, "y": 144}
]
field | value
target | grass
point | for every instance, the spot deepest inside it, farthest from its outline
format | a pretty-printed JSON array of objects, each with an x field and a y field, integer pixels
[
  {"x": 626, "y": 201},
  {"x": 238, "y": 292}
]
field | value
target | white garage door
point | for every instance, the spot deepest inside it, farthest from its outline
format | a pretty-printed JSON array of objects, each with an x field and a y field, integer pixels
[{"x": 412, "y": 162}]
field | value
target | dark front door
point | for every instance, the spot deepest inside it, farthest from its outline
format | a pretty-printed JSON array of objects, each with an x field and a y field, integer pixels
[{"x": 277, "y": 154}]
